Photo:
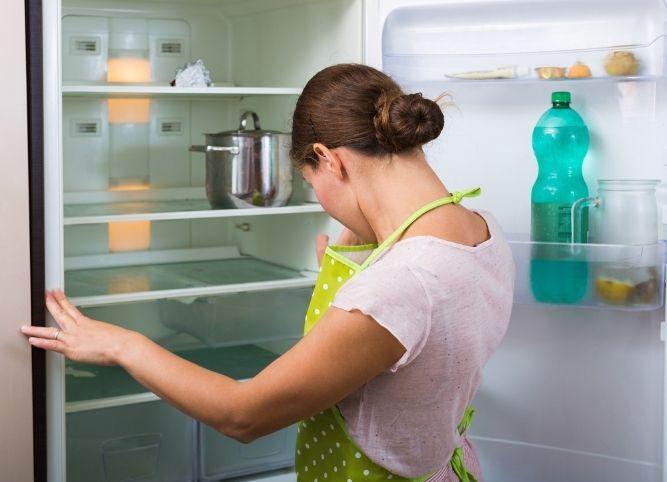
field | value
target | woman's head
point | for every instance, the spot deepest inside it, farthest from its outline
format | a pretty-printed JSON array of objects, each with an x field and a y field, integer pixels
[{"x": 348, "y": 117}]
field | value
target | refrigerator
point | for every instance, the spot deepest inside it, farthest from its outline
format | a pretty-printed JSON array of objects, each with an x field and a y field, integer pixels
[{"x": 576, "y": 391}]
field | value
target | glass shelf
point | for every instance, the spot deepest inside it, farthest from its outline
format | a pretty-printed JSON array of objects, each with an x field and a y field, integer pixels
[
  {"x": 77, "y": 214},
  {"x": 615, "y": 277},
  {"x": 117, "y": 284},
  {"x": 74, "y": 89}
]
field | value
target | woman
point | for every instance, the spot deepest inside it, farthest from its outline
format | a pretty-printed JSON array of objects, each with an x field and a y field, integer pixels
[{"x": 396, "y": 338}]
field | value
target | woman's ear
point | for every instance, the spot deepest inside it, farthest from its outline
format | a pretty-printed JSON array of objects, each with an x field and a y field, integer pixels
[{"x": 329, "y": 160}]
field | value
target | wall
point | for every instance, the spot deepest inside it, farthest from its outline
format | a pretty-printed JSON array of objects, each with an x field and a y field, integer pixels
[{"x": 15, "y": 367}]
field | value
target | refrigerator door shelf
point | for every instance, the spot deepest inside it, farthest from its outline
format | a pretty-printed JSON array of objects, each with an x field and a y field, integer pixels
[
  {"x": 639, "y": 62},
  {"x": 422, "y": 42},
  {"x": 528, "y": 80},
  {"x": 602, "y": 276}
]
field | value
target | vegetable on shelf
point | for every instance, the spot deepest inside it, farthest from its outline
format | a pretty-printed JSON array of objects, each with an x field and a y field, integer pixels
[
  {"x": 621, "y": 63},
  {"x": 613, "y": 291},
  {"x": 579, "y": 71}
]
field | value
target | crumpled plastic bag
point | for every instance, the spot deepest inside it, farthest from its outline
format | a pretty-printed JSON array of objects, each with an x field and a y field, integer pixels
[{"x": 193, "y": 74}]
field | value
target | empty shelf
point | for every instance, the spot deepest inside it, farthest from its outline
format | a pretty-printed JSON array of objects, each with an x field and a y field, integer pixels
[
  {"x": 107, "y": 285},
  {"x": 164, "y": 90},
  {"x": 76, "y": 214}
]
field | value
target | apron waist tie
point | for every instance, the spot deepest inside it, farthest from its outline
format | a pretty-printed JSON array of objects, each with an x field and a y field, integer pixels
[{"x": 457, "y": 463}]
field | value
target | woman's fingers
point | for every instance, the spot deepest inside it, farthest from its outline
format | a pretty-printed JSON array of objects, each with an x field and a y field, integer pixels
[
  {"x": 53, "y": 345},
  {"x": 47, "y": 332},
  {"x": 321, "y": 243},
  {"x": 346, "y": 238},
  {"x": 66, "y": 305},
  {"x": 59, "y": 314}
]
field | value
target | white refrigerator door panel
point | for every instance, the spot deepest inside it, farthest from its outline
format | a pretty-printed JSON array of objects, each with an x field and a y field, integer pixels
[{"x": 573, "y": 394}]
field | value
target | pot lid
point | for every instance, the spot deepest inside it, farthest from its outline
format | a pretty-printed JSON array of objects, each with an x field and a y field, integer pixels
[{"x": 243, "y": 128}]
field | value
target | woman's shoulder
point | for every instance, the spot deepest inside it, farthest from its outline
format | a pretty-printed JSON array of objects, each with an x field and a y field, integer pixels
[
  {"x": 425, "y": 245},
  {"x": 418, "y": 254},
  {"x": 433, "y": 259}
]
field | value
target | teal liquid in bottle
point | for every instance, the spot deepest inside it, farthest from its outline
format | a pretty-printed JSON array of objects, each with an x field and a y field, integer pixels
[{"x": 560, "y": 143}]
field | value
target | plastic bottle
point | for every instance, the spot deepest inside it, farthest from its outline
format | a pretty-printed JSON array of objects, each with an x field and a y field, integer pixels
[{"x": 560, "y": 142}]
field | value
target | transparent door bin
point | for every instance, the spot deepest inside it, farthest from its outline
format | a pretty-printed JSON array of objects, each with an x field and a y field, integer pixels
[
  {"x": 134, "y": 457},
  {"x": 634, "y": 62},
  {"x": 147, "y": 442},
  {"x": 221, "y": 457},
  {"x": 592, "y": 275}
]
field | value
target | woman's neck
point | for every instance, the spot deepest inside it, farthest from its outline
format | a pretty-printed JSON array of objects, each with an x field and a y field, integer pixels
[{"x": 388, "y": 192}]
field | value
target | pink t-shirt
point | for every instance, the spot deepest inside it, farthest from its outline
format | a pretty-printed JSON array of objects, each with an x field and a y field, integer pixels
[{"x": 449, "y": 305}]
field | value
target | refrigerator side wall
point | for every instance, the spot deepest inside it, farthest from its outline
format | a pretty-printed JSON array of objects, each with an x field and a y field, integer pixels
[{"x": 16, "y": 460}]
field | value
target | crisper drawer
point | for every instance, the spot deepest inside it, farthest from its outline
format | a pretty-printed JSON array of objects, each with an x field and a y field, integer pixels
[
  {"x": 146, "y": 442},
  {"x": 222, "y": 457}
]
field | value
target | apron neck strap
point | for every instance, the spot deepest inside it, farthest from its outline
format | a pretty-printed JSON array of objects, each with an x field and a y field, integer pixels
[{"x": 454, "y": 198}]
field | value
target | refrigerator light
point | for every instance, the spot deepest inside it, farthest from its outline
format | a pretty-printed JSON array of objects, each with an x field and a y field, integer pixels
[
  {"x": 129, "y": 111},
  {"x": 129, "y": 236},
  {"x": 135, "y": 186},
  {"x": 128, "y": 69}
]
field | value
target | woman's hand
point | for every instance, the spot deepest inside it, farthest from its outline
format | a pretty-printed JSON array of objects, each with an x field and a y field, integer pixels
[
  {"x": 77, "y": 336},
  {"x": 346, "y": 238}
]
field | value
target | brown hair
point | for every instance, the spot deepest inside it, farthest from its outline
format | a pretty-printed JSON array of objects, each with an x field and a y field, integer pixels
[{"x": 361, "y": 108}]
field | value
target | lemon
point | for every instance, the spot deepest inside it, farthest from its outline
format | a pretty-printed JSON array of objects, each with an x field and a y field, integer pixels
[{"x": 613, "y": 291}]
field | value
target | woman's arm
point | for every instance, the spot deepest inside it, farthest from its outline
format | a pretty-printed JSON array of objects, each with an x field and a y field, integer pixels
[{"x": 344, "y": 351}]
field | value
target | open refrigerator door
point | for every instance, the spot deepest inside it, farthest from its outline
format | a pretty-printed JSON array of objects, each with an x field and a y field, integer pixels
[{"x": 576, "y": 391}]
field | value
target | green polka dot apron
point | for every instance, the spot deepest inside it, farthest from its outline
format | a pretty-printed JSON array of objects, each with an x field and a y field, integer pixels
[{"x": 324, "y": 450}]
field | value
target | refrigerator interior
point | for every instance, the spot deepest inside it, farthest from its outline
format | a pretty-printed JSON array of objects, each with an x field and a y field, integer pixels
[
  {"x": 134, "y": 240},
  {"x": 575, "y": 392}
]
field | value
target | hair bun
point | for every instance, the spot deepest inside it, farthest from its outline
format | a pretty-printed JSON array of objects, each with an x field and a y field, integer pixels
[{"x": 406, "y": 121}]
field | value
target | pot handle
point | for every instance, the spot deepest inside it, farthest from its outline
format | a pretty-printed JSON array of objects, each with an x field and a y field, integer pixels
[
  {"x": 232, "y": 150},
  {"x": 244, "y": 120}
]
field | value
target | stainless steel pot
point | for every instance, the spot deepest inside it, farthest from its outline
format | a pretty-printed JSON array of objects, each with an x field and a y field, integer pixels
[{"x": 247, "y": 168}]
